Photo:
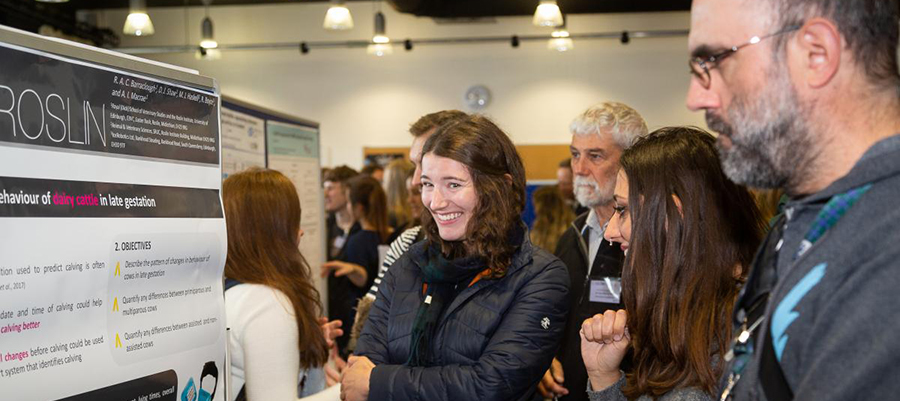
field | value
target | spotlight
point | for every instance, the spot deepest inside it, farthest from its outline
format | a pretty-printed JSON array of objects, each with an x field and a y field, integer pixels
[
  {"x": 547, "y": 14},
  {"x": 407, "y": 44},
  {"x": 380, "y": 36},
  {"x": 514, "y": 41},
  {"x": 207, "y": 42},
  {"x": 304, "y": 48},
  {"x": 338, "y": 17},
  {"x": 625, "y": 38},
  {"x": 138, "y": 22}
]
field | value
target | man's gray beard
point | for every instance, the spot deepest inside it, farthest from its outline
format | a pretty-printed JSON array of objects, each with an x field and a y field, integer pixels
[
  {"x": 598, "y": 197},
  {"x": 770, "y": 140}
]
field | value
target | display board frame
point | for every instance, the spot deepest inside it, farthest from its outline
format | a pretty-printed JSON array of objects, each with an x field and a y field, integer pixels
[{"x": 139, "y": 366}]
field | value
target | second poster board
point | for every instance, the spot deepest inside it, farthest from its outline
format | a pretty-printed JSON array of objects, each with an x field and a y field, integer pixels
[{"x": 254, "y": 136}]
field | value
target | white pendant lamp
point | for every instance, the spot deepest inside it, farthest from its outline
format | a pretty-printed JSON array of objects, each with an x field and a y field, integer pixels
[
  {"x": 138, "y": 22},
  {"x": 338, "y": 17},
  {"x": 547, "y": 14}
]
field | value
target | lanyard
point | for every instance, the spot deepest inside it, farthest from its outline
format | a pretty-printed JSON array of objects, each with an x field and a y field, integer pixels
[{"x": 754, "y": 296}]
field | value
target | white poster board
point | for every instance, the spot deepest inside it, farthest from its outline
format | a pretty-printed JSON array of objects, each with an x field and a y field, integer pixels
[
  {"x": 113, "y": 238},
  {"x": 294, "y": 151},
  {"x": 243, "y": 141}
]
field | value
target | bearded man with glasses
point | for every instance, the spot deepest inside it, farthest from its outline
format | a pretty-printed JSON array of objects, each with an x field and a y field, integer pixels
[{"x": 805, "y": 96}]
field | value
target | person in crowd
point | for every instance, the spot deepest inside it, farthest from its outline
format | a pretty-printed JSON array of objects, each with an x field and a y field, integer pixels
[
  {"x": 396, "y": 174},
  {"x": 805, "y": 96},
  {"x": 354, "y": 270},
  {"x": 564, "y": 182},
  {"x": 272, "y": 307},
  {"x": 414, "y": 199},
  {"x": 421, "y": 130},
  {"x": 475, "y": 311},
  {"x": 689, "y": 234},
  {"x": 340, "y": 223},
  {"x": 552, "y": 217},
  {"x": 599, "y": 135},
  {"x": 375, "y": 171}
]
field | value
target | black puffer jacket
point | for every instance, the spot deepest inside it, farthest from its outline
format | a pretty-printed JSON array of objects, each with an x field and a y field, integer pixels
[{"x": 494, "y": 342}]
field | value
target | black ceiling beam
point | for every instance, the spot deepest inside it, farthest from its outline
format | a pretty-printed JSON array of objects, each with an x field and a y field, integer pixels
[
  {"x": 31, "y": 15},
  {"x": 495, "y": 8}
]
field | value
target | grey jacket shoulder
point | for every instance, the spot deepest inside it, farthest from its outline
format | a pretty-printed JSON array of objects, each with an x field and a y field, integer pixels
[{"x": 614, "y": 393}]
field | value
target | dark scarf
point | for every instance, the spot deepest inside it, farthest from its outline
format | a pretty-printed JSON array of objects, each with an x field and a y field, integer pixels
[{"x": 443, "y": 277}]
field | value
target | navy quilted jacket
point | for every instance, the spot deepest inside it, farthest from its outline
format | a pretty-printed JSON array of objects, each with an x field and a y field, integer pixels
[{"x": 494, "y": 342}]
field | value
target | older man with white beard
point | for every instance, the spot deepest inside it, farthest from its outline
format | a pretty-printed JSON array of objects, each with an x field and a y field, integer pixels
[{"x": 599, "y": 135}]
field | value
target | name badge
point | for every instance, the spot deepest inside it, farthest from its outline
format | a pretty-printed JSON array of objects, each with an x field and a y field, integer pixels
[
  {"x": 339, "y": 241},
  {"x": 606, "y": 290}
]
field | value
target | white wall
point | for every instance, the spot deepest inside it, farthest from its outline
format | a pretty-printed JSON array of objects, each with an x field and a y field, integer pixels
[{"x": 362, "y": 100}]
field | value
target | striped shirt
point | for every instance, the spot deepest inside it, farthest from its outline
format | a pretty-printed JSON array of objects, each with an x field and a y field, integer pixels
[{"x": 398, "y": 248}]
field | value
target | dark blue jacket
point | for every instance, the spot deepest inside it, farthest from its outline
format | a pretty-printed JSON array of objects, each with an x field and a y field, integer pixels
[{"x": 494, "y": 342}]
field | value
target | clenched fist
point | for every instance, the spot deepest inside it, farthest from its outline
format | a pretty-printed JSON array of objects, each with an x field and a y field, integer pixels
[{"x": 604, "y": 342}]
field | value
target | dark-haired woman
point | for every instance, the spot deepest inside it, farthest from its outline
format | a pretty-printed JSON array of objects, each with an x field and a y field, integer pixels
[
  {"x": 688, "y": 233},
  {"x": 276, "y": 342},
  {"x": 356, "y": 266},
  {"x": 474, "y": 312}
]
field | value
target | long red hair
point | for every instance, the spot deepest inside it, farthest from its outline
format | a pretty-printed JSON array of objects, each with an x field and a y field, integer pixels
[{"x": 262, "y": 213}]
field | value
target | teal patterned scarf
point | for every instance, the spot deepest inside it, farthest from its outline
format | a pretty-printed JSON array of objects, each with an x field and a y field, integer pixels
[{"x": 442, "y": 277}]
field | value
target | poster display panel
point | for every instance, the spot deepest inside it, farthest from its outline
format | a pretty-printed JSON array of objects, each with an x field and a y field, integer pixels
[
  {"x": 294, "y": 151},
  {"x": 112, "y": 235},
  {"x": 243, "y": 141}
]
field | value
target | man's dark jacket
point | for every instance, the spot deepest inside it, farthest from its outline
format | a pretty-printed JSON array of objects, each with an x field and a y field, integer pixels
[{"x": 572, "y": 249}]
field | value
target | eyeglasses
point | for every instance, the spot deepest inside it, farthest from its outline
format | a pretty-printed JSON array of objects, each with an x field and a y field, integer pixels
[{"x": 700, "y": 66}]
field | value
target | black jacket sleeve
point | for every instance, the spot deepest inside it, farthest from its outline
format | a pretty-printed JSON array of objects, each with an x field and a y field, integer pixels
[{"x": 372, "y": 342}]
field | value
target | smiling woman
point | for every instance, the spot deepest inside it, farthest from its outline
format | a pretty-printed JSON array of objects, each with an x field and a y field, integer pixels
[
  {"x": 474, "y": 311},
  {"x": 473, "y": 160}
]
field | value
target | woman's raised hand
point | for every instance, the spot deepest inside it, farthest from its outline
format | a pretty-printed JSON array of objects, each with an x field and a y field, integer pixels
[
  {"x": 356, "y": 273},
  {"x": 604, "y": 342}
]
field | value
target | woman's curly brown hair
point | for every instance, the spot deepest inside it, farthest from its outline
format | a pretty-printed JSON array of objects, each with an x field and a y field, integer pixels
[{"x": 499, "y": 179}]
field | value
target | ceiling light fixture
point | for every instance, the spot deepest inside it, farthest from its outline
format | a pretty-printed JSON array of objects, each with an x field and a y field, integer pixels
[
  {"x": 381, "y": 44},
  {"x": 207, "y": 41},
  {"x": 138, "y": 22},
  {"x": 547, "y": 14},
  {"x": 380, "y": 36},
  {"x": 338, "y": 17},
  {"x": 52, "y": 1},
  {"x": 560, "y": 40}
]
